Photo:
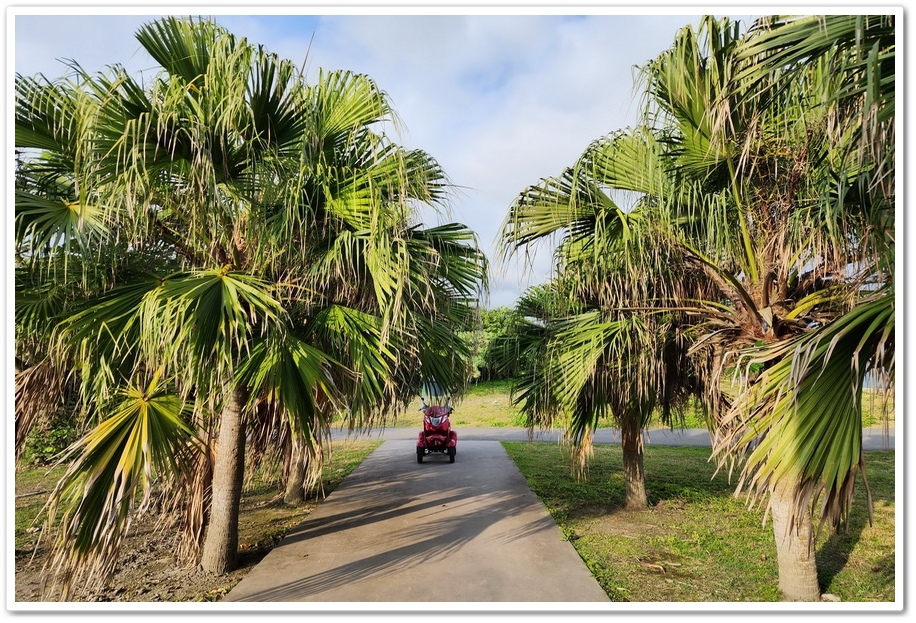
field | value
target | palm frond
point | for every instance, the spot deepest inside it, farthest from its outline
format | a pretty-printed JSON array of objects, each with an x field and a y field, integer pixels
[
  {"x": 183, "y": 47},
  {"x": 343, "y": 101},
  {"x": 802, "y": 420},
  {"x": 355, "y": 339},
  {"x": 293, "y": 376},
  {"x": 294, "y": 380},
  {"x": 145, "y": 435}
]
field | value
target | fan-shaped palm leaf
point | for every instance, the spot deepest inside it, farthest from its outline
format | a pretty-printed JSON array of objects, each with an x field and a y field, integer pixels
[
  {"x": 146, "y": 434},
  {"x": 802, "y": 420}
]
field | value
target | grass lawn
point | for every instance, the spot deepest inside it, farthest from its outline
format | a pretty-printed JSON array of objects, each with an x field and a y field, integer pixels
[{"x": 697, "y": 542}]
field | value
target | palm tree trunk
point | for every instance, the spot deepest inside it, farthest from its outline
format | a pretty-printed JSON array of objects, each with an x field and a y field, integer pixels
[
  {"x": 222, "y": 538},
  {"x": 298, "y": 464},
  {"x": 794, "y": 546},
  {"x": 634, "y": 472}
]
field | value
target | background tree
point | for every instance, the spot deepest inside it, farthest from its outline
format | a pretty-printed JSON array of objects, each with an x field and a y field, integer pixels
[
  {"x": 611, "y": 345},
  {"x": 494, "y": 327}
]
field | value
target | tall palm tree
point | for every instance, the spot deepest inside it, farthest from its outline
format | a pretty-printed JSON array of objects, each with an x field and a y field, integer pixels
[
  {"x": 800, "y": 438},
  {"x": 300, "y": 280},
  {"x": 751, "y": 183},
  {"x": 761, "y": 158}
]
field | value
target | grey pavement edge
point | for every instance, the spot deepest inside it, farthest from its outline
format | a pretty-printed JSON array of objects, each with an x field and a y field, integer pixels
[
  {"x": 394, "y": 525},
  {"x": 877, "y": 438},
  {"x": 400, "y": 531}
]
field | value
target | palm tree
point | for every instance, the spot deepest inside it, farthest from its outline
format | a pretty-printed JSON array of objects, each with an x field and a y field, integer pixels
[
  {"x": 601, "y": 352},
  {"x": 301, "y": 277},
  {"x": 800, "y": 438},
  {"x": 741, "y": 168},
  {"x": 778, "y": 142},
  {"x": 758, "y": 159}
]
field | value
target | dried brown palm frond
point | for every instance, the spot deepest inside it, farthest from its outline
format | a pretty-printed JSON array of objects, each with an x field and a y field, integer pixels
[
  {"x": 39, "y": 394},
  {"x": 268, "y": 441},
  {"x": 184, "y": 502}
]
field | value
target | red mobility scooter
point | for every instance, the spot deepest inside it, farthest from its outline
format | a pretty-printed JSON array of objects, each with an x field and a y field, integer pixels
[{"x": 437, "y": 436}]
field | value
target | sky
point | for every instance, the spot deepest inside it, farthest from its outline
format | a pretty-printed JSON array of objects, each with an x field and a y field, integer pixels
[{"x": 501, "y": 98}]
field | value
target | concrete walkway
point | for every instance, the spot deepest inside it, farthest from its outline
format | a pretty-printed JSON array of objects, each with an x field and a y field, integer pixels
[{"x": 399, "y": 531}]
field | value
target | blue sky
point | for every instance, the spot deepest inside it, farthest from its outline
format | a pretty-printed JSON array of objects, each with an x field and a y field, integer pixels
[{"x": 500, "y": 98}]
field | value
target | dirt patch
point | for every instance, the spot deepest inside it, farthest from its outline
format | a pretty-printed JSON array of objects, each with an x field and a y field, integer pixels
[{"x": 148, "y": 571}]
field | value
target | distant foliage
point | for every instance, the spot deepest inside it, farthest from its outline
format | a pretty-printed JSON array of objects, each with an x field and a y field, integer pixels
[{"x": 489, "y": 342}]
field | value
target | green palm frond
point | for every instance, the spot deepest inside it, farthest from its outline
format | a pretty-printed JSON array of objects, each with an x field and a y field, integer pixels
[
  {"x": 184, "y": 47},
  {"x": 276, "y": 97},
  {"x": 38, "y": 302},
  {"x": 216, "y": 310},
  {"x": 102, "y": 339},
  {"x": 425, "y": 179},
  {"x": 443, "y": 355},
  {"x": 55, "y": 205},
  {"x": 43, "y": 223},
  {"x": 54, "y": 117},
  {"x": 867, "y": 43},
  {"x": 546, "y": 210},
  {"x": 691, "y": 83},
  {"x": 342, "y": 101},
  {"x": 196, "y": 324},
  {"x": 357, "y": 197},
  {"x": 802, "y": 421},
  {"x": 629, "y": 160},
  {"x": 293, "y": 375},
  {"x": 355, "y": 340},
  {"x": 145, "y": 435},
  {"x": 448, "y": 260}
]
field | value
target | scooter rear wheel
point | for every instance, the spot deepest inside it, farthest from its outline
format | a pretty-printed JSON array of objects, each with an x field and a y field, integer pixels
[
  {"x": 420, "y": 454},
  {"x": 451, "y": 454}
]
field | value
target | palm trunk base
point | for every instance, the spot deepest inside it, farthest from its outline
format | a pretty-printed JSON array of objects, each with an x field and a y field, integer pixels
[
  {"x": 295, "y": 483},
  {"x": 221, "y": 542},
  {"x": 794, "y": 548},
  {"x": 634, "y": 469}
]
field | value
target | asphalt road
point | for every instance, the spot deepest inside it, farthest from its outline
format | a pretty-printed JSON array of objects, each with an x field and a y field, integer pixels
[{"x": 877, "y": 438}]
